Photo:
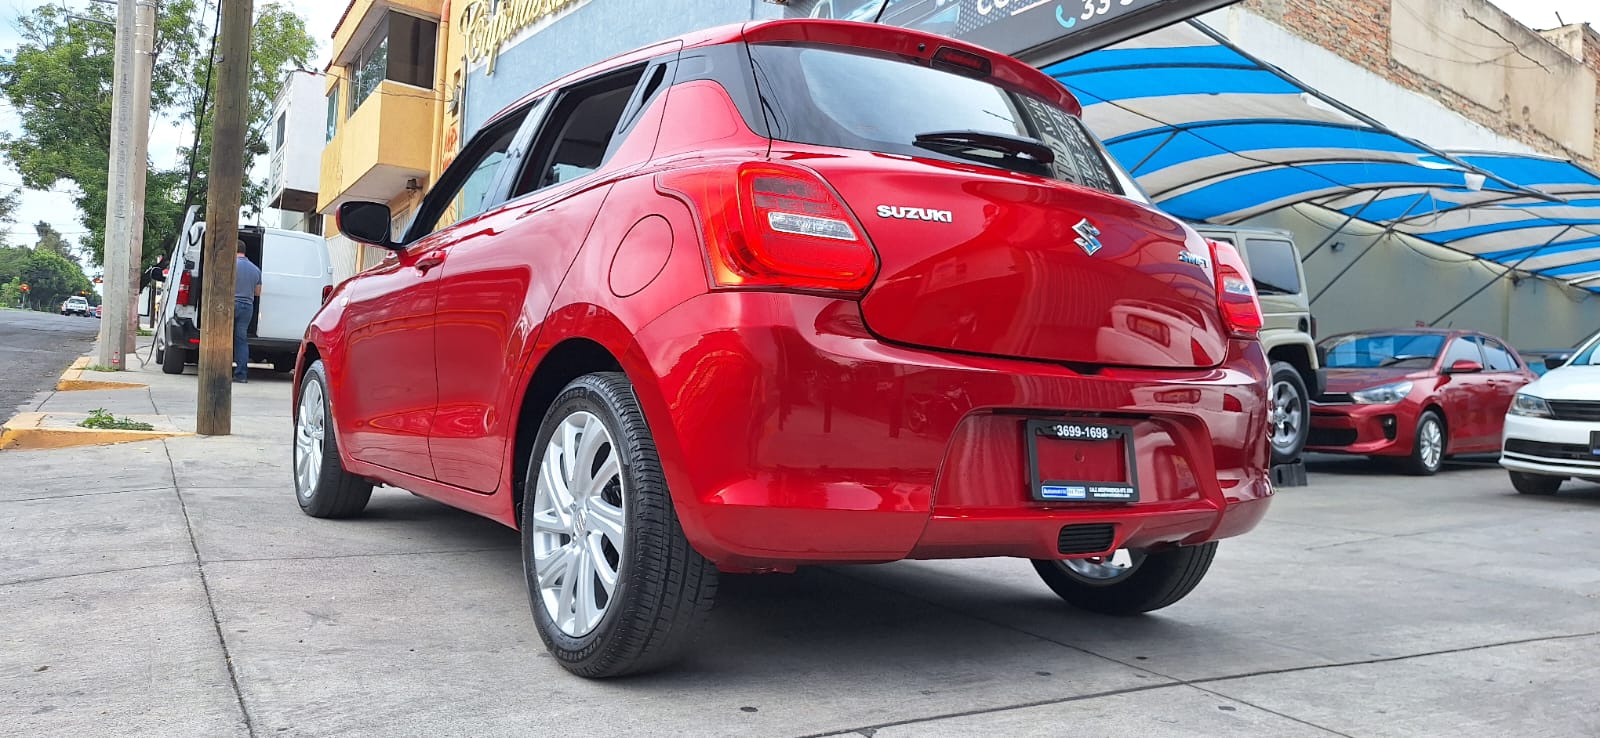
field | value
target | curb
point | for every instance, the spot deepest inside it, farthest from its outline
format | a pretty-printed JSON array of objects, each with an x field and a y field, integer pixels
[
  {"x": 72, "y": 380},
  {"x": 28, "y": 431}
]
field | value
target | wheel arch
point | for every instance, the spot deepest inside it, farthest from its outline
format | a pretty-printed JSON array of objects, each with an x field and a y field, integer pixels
[
  {"x": 1299, "y": 356},
  {"x": 567, "y": 360}
]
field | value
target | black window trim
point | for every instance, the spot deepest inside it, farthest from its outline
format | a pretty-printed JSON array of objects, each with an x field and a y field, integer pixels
[
  {"x": 538, "y": 145},
  {"x": 1483, "y": 349},
  {"x": 454, "y": 177}
]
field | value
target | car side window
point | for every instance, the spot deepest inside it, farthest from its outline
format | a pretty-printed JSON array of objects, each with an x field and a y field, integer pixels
[
  {"x": 1495, "y": 356},
  {"x": 577, "y": 137},
  {"x": 1462, "y": 349},
  {"x": 467, "y": 188},
  {"x": 1275, "y": 265}
]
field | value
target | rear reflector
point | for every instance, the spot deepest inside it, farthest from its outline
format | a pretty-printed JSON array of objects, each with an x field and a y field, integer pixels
[
  {"x": 775, "y": 226},
  {"x": 1241, "y": 312},
  {"x": 183, "y": 287}
]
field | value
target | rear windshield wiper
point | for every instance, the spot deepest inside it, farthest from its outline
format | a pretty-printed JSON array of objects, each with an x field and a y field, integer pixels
[{"x": 1019, "y": 153}]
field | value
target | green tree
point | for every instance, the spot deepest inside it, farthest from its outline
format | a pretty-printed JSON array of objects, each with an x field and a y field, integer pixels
[
  {"x": 59, "y": 81},
  {"x": 8, "y": 209},
  {"x": 50, "y": 240}
]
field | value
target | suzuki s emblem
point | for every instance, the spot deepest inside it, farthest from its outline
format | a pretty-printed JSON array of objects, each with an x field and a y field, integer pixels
[{"x": 1088, "y": 236}]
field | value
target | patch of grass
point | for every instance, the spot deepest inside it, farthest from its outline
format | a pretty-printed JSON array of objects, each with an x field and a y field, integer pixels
[
  {"x": 146, "y": 332},
  {"x": 100, "y": 368},
  {"x": 100, "y": 419}
]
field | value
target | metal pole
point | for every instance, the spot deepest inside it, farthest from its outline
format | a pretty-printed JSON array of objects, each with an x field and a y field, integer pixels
[
  {"x": 130, "y": 131},
  {"x": 226, "y": 178},
  {"x": 1497, "y": 277},
  {"x": 1347, "y": 221},
  {"x": 1385, "y": 234}
]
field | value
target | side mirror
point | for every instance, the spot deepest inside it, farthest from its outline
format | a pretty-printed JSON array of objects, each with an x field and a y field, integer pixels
[
  {"x": 1556, "y": 361},
  {"x": 1464, "y": 366},
  {"x": 366, "y": 222}
]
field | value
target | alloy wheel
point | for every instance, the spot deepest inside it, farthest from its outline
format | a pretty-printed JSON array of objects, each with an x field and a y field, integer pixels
[
  {"x": 309, "y": 428},
  {"x": 579, "y": 521},
  {"x": 1287, "y": 417},
  {"x": 1431, "y": 441},
  {"x": 1104, "y": 569}
]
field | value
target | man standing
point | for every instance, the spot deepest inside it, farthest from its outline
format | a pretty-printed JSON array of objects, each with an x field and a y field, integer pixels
[{"x": 246, "y": 288}]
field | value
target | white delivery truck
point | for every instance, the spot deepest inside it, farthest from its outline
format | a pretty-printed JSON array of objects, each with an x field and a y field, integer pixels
[{"x": 296, "y": 276}]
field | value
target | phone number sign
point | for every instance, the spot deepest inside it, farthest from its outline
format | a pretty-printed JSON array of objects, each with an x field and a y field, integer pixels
[{"x": 1043, "y": 31}]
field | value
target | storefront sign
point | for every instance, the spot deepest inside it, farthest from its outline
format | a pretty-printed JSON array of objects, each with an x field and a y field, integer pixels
[
  {"x": 487, "y": 28},
  {"x": 1038, "y": 31}
]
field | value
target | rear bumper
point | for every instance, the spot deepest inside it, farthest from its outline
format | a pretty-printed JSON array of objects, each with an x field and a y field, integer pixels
[
  {"x": 1547, "y": 446},
  {"x": 181, "y": 333},
  {"x": 791, "y": 435},
  {"x": 1374, "y": 430}
]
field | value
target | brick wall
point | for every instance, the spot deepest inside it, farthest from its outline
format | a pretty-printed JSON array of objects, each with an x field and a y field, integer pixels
[{"x": 1360, "y": 31}]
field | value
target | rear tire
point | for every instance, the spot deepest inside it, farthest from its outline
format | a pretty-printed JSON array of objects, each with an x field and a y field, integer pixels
[
  {"x": 1536, "y": 484},
  {"x": 1291, "y": 413},
  {"x": 1428, "y": 445},
  {"x": 322, "y": 486},
  {"x": 1154, "y": 580},
  {"x": 172, "y": 360},
  {"x": 598, "y": 485}
]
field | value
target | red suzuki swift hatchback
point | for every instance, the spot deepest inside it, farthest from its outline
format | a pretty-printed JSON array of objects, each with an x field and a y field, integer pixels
[{"x": 798, "y": 292}]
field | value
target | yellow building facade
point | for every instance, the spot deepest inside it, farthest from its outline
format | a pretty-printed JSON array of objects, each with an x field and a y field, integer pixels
[{"x": 393, "y": 121}]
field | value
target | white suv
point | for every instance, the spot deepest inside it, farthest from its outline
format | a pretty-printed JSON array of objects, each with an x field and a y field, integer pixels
[
  {"x": 1552, "y": 432},
  {"x": 75, "y": 305}
]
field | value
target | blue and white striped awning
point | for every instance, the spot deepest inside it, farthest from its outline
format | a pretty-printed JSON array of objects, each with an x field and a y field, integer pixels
[
  {"x": 1215, "y": 135},
  {"x": 1559, "y": 238}
]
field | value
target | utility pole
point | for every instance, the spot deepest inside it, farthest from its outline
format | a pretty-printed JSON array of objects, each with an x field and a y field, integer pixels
[
  {"x": 130, "y": 138},
  {"x": 223, "y": 193}
]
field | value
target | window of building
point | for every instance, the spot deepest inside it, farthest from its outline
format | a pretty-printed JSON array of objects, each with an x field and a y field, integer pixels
[
  {"x": 400, "y": 50},
  {"x": 370, "y": 68},
  {"x": 333, "y": 112},
  {"x": 278, "y": 131}
]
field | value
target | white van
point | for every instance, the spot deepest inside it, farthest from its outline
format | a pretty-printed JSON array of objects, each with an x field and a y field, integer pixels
[{"x": 296, "y": 276}]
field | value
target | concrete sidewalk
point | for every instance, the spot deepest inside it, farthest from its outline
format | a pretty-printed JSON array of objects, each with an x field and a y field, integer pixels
[{"x": 173, "y": 588}]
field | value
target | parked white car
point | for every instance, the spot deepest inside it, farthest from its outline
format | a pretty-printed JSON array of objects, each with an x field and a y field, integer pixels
[
  {"x": 1552, "y": 432},
  {"x": 296, "y": 276}
]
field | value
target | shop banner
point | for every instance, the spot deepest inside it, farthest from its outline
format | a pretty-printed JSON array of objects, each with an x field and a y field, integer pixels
[{"x": 1038, "y": 31}]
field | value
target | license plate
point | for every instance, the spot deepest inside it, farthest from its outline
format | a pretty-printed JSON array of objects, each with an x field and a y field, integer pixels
[{"x": 1070, "y": 461}]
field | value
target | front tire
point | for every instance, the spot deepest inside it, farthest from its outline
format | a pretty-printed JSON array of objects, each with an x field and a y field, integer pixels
[
  {"x": 1128, "y": 582},
  {"x": 614, "y": 585},
  {"x": 1427, "y": 448},
  {"x": 321, "y": 484},
  {"x": 1536, "y": 484},
  {"x": 1291, "y": 413}
]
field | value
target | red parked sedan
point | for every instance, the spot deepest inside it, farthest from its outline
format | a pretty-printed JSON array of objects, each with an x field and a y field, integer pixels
[
  {"x": 1420, "y": 395},
  {"x": 799, "y": 292}
]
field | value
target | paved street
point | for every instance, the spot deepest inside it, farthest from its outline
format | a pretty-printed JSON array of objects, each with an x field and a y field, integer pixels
[
  {"x": 34, "y": 348},
  {"x": 173, "y": 588}
]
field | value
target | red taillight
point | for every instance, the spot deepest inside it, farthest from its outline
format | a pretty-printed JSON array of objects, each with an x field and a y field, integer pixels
[
  {"x": 1235, "y": 291},
  {"x": 775, "y": 226},
  {"x": 183, "y": 287}
]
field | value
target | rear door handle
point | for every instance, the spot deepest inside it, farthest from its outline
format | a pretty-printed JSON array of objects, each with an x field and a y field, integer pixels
[{"x": 428, "y": 262}]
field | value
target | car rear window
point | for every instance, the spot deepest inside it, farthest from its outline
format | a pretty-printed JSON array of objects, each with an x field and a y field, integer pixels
[{"x": 848, "y": 99}]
